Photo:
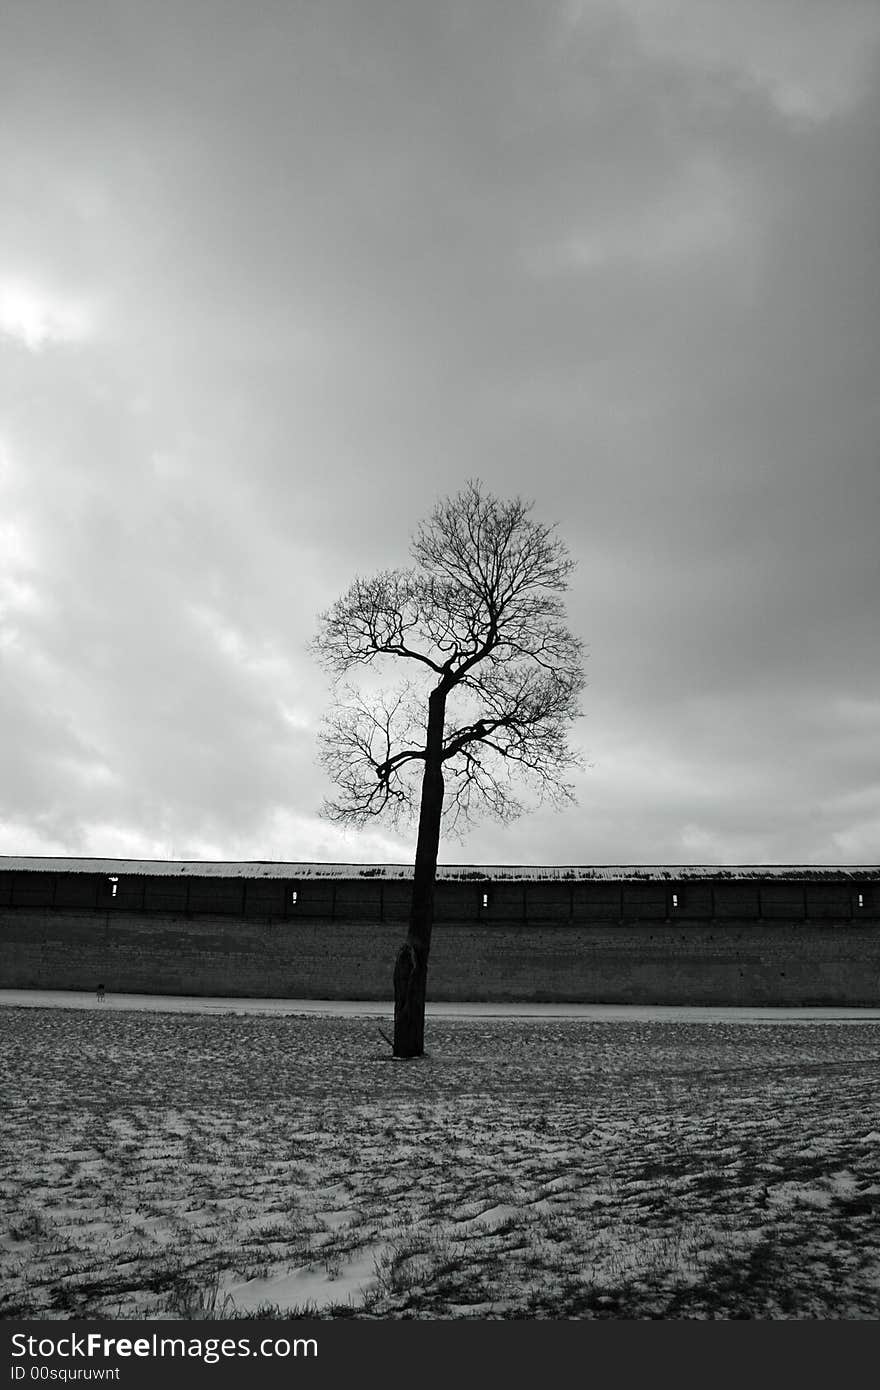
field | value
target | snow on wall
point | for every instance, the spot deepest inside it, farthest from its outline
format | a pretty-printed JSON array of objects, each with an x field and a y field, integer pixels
[{"x": 529, "y": 873}]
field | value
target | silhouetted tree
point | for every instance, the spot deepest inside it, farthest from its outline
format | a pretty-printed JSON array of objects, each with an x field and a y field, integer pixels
[{"x": 480, "y": 619}]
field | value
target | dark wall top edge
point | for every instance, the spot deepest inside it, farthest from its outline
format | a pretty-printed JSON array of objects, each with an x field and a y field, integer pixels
[{"x": 462, "y": 873}]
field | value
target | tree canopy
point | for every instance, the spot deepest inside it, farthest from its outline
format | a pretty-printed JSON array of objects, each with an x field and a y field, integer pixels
[{"x": 478, "y": 617}]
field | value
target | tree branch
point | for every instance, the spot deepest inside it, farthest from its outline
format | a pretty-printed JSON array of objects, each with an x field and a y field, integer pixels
[{"x": 482, "y": 614}]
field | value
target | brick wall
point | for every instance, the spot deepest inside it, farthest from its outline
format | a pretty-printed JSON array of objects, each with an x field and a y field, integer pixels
[{"x": 725, "y": 961}]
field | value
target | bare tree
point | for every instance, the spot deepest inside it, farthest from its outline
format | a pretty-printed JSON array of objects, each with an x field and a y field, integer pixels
[{"x": 479, "y": 620}]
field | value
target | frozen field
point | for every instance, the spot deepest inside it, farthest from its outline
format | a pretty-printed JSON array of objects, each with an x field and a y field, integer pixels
[{"x": 189, "y": 1158}]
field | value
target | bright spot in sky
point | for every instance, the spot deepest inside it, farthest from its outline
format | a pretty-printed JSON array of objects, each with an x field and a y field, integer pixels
[{"x": 35, "y": 317}]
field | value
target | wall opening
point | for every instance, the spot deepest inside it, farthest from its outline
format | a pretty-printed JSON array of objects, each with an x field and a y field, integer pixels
[{"x": 114, "y": 885}]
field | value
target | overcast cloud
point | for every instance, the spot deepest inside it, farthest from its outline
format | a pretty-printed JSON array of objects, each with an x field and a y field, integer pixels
[{"x": 275, "y": 276}]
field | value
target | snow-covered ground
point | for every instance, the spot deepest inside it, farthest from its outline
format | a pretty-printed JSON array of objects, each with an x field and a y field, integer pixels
[
  {"x": 193, "y": 1158},
  {"x": 347, "y": 1008}
]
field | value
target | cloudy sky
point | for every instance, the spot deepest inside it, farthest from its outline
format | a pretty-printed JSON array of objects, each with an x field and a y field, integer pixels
[{"x": 276, "y": 275}]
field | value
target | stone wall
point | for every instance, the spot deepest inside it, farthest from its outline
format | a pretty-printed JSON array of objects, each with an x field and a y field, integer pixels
[
  {"x": 647, "y": 899},
  {"x": 688, "y": 960}
]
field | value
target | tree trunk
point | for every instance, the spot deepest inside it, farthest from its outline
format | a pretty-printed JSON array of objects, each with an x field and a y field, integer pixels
[{"x": 411, "y": 966}]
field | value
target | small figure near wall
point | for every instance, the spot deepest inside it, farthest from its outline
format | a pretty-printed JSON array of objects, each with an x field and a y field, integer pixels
[{"x": 99, "y": 994}]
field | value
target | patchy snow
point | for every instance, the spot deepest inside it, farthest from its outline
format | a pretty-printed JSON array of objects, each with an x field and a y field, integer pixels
[
  {"x": 335, "y": 1220},
  {"x": 499, "y": 1215},
  {"x": 189, "y": 1162},
  {"x": 304, "y": 1289}
]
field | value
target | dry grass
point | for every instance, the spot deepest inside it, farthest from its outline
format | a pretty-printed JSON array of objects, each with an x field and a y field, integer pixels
[{"x": 215, "y": 1166}]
